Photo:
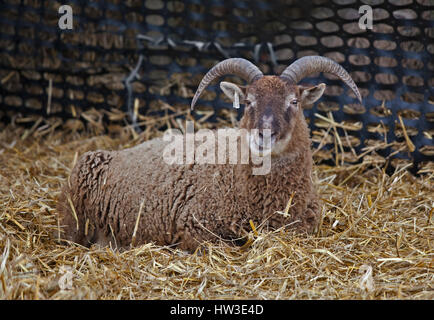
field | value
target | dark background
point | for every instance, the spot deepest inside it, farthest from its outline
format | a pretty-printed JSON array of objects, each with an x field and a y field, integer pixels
[{"x": 157, "y": 51}]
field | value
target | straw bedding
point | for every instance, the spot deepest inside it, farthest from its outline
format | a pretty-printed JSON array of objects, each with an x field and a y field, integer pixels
[{"x": 375, "y": 241}]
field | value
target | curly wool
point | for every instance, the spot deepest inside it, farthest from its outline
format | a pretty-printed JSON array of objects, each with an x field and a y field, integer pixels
[{"x": 183, "y": 205}]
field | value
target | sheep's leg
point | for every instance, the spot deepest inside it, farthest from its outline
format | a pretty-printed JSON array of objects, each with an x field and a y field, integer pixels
[
  {"x": 194, "y": 228},
  {"x": 312, "y": 215}
]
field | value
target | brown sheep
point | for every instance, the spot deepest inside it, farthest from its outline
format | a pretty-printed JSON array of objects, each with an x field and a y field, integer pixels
[{"x": 115, "y": 196}]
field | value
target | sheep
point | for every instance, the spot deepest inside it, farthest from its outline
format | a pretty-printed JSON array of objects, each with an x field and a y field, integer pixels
[{"x": 131, "y": 197}]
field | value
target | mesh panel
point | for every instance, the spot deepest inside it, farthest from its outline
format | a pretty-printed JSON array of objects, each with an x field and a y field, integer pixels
[{"x": 156, "y": 50}]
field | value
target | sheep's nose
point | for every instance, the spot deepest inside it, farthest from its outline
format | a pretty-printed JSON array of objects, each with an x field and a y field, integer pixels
[{"x": 273, "y": 134}]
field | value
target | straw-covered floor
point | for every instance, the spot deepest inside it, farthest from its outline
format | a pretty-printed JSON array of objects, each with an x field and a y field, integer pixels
[{"x": 375, "y": 242}]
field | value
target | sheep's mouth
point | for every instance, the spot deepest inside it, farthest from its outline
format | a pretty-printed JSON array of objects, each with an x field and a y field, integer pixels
[
  {"x": 262, "y": 144},
  {"x": 274, "y": 144}
]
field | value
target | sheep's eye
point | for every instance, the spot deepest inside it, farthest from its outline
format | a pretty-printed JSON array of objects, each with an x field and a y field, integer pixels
[
  {"x": 294, "y": 102},
  {"x": 248, "y": 103}
]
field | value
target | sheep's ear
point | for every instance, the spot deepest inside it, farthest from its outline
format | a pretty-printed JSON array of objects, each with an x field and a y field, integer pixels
[
  {"x": 233, "y": 92},
  {"x": 311, "y": 94}
]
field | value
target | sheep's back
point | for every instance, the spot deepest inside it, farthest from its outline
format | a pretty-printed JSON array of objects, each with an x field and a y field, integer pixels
[{"x": 108, "y": 188}]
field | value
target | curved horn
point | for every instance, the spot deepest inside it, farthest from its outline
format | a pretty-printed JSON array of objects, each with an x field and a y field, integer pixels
[
  {"x": 237, "y": 66},
  {"x": 305, "y": 66}
]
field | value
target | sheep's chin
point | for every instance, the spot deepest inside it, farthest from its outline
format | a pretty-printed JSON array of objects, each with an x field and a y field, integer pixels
[{"x": 276, "y": 148}]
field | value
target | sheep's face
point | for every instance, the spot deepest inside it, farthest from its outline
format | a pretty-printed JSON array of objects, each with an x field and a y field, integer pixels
[{"x": 271, "y": 103}]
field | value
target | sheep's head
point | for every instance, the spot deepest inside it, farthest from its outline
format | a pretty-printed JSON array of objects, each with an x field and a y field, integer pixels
[{"x": 273, "y": 102}]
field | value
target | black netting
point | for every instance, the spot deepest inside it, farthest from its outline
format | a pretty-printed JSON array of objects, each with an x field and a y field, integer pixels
[{"x": 154, "y": 50}]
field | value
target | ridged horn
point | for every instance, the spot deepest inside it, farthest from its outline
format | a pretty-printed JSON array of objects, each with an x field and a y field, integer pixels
[
  {"x": 308, "y": 65},
  {"x": 236, "y": 66}
]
